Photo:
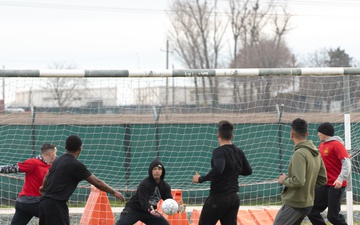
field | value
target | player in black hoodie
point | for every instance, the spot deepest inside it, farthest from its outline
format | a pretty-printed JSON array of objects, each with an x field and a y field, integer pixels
[{"x": 142, "y": 205}]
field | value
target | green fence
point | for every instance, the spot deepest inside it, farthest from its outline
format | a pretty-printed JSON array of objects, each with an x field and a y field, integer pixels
[{"x": 120, "y": 154}]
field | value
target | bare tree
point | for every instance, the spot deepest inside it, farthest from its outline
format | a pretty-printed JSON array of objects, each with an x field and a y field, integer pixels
[
  {"x": 64, "y": 90},
  {"x": 238, "y": 16},
  {"x": 254, "y": 46},
  {"x": 197, "y": 38},
  {"x": 318, "y": 58},
  {"x": 198, "y": 35},
  {"x": 250, "y": 25}
]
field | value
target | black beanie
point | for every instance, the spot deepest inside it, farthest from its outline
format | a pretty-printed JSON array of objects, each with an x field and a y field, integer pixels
[{"x": 327, "y": 129}]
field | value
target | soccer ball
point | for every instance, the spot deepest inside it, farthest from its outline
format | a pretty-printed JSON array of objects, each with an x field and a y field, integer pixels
[{"x": 169, "y": 206}]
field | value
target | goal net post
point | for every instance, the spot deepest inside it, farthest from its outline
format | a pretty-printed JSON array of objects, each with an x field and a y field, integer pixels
[{"x": 126, "y": 118}]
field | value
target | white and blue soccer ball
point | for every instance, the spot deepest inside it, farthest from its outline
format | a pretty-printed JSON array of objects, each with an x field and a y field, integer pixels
[{"x": 169, "y": 206}]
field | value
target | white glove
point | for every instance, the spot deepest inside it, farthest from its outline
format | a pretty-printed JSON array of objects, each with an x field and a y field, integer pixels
[{"x": 181, "y": 207}]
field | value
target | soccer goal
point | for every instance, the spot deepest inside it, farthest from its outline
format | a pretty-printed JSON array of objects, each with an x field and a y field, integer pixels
[{"x": 127, "y": 118}]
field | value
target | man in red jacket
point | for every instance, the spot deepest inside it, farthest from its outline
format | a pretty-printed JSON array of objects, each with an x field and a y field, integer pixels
[
  {"x": 27, "y": 204},
  {"x": 337, "y": 163}
]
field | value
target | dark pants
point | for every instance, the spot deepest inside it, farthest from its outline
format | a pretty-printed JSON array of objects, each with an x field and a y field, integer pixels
[
  {"x": 327, "y": 197},
  {"x": 291, "y": 216},
  {"x": 26, "y": 207},
  {"x": 130, "y": 217},
  {"x": 220, "y": 207},
  {"x": 53, "y": 212}
]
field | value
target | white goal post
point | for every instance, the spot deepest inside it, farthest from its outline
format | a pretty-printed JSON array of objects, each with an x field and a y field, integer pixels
[
  {"x": 126, "y": 118},
  {"x": 349, "y": 192}
]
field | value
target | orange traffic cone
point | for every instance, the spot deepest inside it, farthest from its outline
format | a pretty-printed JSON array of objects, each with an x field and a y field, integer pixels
[
  {"x": 97, "y": 209},
  {"x": 195, "y": 216}
]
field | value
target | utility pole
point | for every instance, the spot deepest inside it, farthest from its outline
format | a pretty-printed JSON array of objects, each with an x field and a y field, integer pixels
[
  {"x": 3, "y": 89},
  {"x": 167, "y": 80}
]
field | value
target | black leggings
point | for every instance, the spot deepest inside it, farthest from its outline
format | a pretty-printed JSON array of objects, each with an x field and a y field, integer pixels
[
  {"x": 220, "y": 207},
  {"x": 130, "y": 217}
]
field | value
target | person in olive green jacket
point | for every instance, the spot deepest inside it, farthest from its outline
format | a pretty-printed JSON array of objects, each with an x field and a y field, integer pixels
[{"x": 306, "y": 172}]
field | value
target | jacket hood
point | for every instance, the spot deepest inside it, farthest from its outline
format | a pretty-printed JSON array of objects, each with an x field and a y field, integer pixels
[
  {"x": 308, "y": 144},
  {"x": 157, "y": 162},
  {"x": 335, "y": 138}
]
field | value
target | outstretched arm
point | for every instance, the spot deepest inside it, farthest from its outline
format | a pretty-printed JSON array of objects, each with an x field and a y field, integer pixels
[
  {"x": 12, "y": 168},
  {"x": 219, "y": 164},
  {"x": 99, "y": 184}
]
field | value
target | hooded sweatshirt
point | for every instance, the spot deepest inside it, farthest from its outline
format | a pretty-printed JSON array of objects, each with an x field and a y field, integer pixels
[
  {"x": 149, "y": 192},
  {"x": 306, "y": 172},
  {"x": 336, "y": 160}
]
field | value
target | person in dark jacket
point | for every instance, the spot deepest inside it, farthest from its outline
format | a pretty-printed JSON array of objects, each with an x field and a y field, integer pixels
[
  {"x": 227, "y": 163},
  {"x": 143, "y": 204}
]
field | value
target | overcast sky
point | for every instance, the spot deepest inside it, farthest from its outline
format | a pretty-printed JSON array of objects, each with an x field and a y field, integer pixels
[{"x": 131, "y": 34}]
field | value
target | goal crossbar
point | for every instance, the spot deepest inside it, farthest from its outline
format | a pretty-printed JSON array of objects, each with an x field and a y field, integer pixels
[{"x": 182, "y": 72}]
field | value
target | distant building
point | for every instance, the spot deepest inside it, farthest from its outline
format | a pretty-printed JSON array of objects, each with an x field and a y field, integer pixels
[
  {"x": 186, "y": 95},
  {"x": 92, "y": 97},
  {"x": 255, "y": 94}
]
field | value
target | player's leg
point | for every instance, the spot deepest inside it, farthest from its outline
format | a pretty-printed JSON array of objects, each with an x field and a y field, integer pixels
[
  {"x": 289, "y": 216},
  {"x": 149, "y": 219},
  {"x": 208, "y": 214},
  {"x": 213, "y": 210},
  {"x": 26, "y": 207},
  {"x": 230, "y": 216},
  {"x": 53, "y": 212},
  {"x": 320, "y": 204},
  {"x": 128, "y": 217},
  {"x": 21, "y": 216},
  {"x": 334, "y": 206}
]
